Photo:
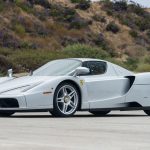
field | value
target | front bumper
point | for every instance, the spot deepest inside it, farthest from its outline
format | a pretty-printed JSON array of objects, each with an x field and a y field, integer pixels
[
  {"x": 11, "y": 102},
  {"x": 30, "y": 102}
]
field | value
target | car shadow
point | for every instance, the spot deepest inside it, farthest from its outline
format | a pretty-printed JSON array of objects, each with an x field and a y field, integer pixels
[
  {"x": 79, "y": 116},
  {"x": 110, "y": 115}
]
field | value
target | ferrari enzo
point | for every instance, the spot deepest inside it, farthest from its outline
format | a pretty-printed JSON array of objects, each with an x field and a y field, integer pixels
[{"x": 65, "y": 86}]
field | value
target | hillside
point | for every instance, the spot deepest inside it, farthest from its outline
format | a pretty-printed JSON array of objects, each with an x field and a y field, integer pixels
[{"x": 33, "y": 32}]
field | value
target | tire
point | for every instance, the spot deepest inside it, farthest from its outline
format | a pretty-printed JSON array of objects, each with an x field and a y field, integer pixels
[
  {"x": 147, "y": 112},
  {"x": 66, "y": 100},
  {"x": 6, "y": 114},
  {"x": 99, "y": 113}
]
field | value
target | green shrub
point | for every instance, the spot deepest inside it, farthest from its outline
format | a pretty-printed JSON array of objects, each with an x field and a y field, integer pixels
[
  {"x": 107, "y": 4},
  {"x": 1, "y": 6},
  {"x": 18, "y": 2},
  {"x": 82, "y": 50},
  {"x": 109, "y": 12},
  {"x": 5, "y": 51},
  {"x": 28, "y": 45},
  {"x": 147, "y": 60},
  {"x": 40, "y": 29},
  {"x": 143, "y": 24},
  {"x": 113, "y": 27},
  {"x": 75, "y": 1},
  {"x": 62, "y": 13},
  {"x": 128, "y": 20},
  {"x": 35, "y": 27},
  {"x": 148, "y": 33},
  {"x": 136, "y": 8},
  {"x": 112, "y": 7},
  {"x": 99, "y": 18},
  {"x": 19, "y": 29},
  {"x": 68, "y": 40},
  {"x": 24, "y": 6},
  {"x": 148, "y": 48},
  {"x": 143, "y": 68},
  {"x": 133, "y": 33},
  {"x": 31, "y": 59},
  {"x": 42, "y": 14},
  {"x": 123, "y": 6},
  {"x": 1, "y": 74},
  {"x": 79, "y": 23},
  {"x": 132, "y": 15},
  {"x": 26, "y": 59},
  {"x": 132, "y": 63},
  {"x": 120, "y": 5},
  {"x": 135, "y": 22},
  {"x": 100, "y": 40},
  {"x": 84, "y": 4},
  {"x": 5, "y": 64},
  {"x": 44, "y": 3}
]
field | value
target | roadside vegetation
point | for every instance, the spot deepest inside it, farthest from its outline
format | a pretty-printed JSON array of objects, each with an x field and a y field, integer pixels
[{"x": 33, "y": 32}]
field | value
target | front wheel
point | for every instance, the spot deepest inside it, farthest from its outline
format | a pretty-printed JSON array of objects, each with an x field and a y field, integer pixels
[
  {"x": 66, "y": 100},
  {"x": 6, "y": 114},
  {"x": 147, "y": 112},
  {"x": 99, "y": 113}
]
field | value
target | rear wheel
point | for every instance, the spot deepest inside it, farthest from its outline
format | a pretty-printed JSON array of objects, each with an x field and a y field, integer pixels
[
  {"x": 147, "y": 112},
  {"x": 6, "y": 114},
  {"x": 66, "y": 100},
  {"x": 99, "y": 113}
]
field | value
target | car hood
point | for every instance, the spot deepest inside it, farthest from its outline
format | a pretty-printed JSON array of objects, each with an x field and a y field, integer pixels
[
  {"x": 5, "y": 79},
  {"x": 26, "y": 81}
]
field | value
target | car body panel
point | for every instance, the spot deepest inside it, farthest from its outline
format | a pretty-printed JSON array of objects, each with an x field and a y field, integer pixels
[
  {"x": 142, "y": 78},
  {"x": 5, "y": 79},
  {"x": 103, "y": 89},
  {"x": 114, "y": 89}
]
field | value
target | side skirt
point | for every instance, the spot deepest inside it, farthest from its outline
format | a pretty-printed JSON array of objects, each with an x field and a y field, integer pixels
[
  {"x": 118, "y": 108},
  {"x": 127, "y": 107}
]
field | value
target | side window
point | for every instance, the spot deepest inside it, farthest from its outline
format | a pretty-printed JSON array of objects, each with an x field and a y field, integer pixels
[{"x": 96, "y": 67}]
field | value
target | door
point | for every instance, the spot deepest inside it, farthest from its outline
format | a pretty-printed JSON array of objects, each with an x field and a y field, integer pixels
[{"x": 104, "y": 90}]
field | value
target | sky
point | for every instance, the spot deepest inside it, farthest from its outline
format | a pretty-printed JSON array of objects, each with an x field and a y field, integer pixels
[{"x": 145, "y": 3}]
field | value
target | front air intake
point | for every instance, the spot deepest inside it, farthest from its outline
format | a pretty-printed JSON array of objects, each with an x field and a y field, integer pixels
[{"x": 8, "y": 103}]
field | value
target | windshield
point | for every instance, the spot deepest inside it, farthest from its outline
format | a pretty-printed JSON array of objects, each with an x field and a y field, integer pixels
[{"x": 57, "y": 68}]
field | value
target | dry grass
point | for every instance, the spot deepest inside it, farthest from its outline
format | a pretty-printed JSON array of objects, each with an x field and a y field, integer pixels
[{"x": 44, "y": 37}]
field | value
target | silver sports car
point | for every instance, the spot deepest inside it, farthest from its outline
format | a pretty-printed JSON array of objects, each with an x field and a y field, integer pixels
[{"x": 65, "y": 86}]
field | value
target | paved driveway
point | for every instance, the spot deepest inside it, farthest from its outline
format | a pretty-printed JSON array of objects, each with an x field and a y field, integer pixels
[{"x": 40, "y": 131}]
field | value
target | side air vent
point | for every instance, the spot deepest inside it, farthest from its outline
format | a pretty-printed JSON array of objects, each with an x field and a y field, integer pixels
[
  {"x": 132, "y": 79},
  {"x": 8, "y": 103}
]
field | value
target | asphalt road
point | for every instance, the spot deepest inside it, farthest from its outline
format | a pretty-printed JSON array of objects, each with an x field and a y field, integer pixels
[{"x": 40, "y": 131}]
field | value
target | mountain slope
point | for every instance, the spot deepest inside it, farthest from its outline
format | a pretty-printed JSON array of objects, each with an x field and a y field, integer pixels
[{"x": 33, "y": 32}]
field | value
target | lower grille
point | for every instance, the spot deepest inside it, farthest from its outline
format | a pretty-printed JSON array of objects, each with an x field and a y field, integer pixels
[{"x": 8, "y": 103}]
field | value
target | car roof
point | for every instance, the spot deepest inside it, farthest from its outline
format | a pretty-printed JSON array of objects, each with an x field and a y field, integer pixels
[{"x": 87, "y": 59}]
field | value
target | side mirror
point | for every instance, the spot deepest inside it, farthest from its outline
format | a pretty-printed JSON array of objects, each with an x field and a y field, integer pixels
[
  {"x": 10, "y": 73},
  {"x": 81, "y": 71}
]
